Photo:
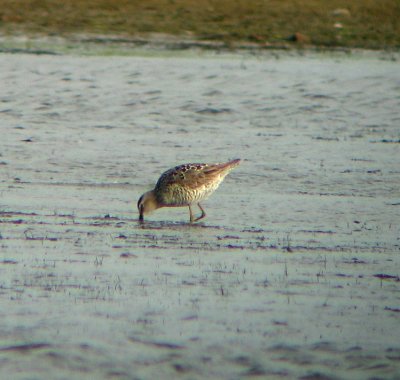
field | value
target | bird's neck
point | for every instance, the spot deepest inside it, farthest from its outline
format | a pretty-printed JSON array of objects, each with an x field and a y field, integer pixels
[{"x": 151, "y": 201}]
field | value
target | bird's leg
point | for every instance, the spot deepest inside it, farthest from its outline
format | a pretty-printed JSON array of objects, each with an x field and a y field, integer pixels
[
  {"x": 191, "y": 215},
  {"x": 203, "y": 213}
]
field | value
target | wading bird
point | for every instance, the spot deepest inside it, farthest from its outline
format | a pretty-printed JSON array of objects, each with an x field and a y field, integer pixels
[{"x": 185, "y": 185}]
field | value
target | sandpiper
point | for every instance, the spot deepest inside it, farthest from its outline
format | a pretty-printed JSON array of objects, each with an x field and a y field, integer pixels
[{"x": 185, "y": 185}]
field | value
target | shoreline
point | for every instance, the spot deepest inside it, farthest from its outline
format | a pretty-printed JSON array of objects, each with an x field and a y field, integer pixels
[{"x": 120, "y": 45}]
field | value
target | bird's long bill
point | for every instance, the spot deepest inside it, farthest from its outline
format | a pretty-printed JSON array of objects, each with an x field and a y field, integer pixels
[{"x": 141, "y": 212}]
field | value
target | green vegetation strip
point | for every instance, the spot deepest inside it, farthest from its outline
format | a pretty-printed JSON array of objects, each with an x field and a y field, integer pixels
[{"x": 369, "y": 24}]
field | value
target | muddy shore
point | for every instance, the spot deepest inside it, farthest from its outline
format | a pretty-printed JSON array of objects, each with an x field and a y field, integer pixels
[{"x": 295, "y": 271}]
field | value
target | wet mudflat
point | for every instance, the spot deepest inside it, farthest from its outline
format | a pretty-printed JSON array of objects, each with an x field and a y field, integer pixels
[{"x": 293, "y": 274}]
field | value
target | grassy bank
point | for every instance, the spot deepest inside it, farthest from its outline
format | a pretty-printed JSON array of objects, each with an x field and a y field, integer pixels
[{"x": 357, "y": 23}]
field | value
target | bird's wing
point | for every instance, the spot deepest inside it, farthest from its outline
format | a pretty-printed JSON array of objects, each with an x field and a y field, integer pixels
[{"x": 192, "y": 176}]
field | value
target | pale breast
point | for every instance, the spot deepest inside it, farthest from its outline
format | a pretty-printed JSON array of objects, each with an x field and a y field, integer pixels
[{"x": 176, "y": 195}]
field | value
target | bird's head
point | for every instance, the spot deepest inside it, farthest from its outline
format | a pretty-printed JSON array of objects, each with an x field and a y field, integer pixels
[{"x": 147, "y": 203}]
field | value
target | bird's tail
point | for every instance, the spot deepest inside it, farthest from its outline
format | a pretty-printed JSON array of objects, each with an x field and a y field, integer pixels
[{"x": 224, "y": 168}]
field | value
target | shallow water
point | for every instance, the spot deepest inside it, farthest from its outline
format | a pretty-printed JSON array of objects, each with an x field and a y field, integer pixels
[{"x": 293, "y": 274}]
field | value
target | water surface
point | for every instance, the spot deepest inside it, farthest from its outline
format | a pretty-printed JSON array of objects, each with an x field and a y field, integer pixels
[{"x": 294, "y": 272}]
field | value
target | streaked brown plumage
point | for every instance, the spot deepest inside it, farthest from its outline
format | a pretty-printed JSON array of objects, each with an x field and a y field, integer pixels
[{"x": 185, "y": 185}]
